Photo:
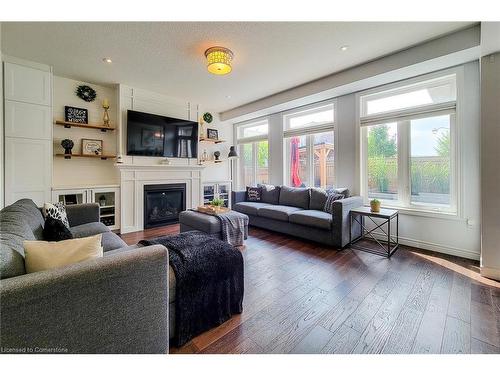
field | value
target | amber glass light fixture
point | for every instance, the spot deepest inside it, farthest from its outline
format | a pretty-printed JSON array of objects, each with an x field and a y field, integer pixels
[{"x": 219, "y": 60}]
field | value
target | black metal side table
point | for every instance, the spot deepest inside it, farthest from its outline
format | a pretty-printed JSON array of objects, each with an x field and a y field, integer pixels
[{"x": 388, "y": 246}]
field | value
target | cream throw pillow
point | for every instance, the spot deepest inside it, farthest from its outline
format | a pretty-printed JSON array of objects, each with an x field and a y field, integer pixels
[{"x": 43, "y": 255}]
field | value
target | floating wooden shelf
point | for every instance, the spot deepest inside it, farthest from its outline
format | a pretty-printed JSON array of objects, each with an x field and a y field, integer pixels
[
  {"x": 211, "y": 140},
  {"x": 100, "y": 127},
  {"x": 211, "y": 161},
  {"x": 69, "y": 156}
]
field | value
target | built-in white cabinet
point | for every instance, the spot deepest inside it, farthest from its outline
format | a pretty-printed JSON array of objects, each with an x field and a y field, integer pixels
[
  {"x": 108, "y": 198},
  {"x": 215, "y": 190},
  {"x": 28, "y": 131}
]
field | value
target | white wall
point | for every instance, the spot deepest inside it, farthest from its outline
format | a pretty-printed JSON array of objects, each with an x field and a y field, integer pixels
[
  {"x": 81, "y": 172},
  {"x": 490, "y": 165}
]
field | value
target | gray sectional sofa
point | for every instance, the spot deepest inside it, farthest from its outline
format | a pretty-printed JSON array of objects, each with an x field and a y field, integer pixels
[
  {"x": 300, "y": 212},
  {"x": 115, "y": 304}
]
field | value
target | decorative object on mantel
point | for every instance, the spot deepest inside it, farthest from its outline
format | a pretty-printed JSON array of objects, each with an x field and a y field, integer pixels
[
  {"x": 219, "y": 60},
  {"x": 213, "y": 134},
  {"x": 105, "y": 118},
  {"x": 92, "y": 147},
  {"x": 204, "y": 156},
  {"x": 86, "y": 93},
  {"x": 207, "y": 116},
  {"x": 165, "y": 161},
  {"x": 67, "y": 145},
  {"x": 216, "y": 156},
  {"x": 76, "y": 115}
]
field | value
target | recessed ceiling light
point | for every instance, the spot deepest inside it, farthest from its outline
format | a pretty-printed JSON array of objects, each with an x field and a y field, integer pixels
[
  {"x": 228, "y": 96},
  {"x": 107, "y": 60},
  {"x": 344, "y": 48}
]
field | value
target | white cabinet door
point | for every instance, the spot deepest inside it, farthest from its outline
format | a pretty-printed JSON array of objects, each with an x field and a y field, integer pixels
[
  {"x": 26, "y": 84},
  {"x": 28, "y": 170},
  {"x": 27, "y": 120}
]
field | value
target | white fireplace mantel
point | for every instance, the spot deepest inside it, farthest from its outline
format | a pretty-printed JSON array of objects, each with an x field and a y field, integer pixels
[{"x": 134, "y": 177}]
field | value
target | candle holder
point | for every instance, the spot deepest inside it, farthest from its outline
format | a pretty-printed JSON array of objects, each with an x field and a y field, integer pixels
[{"x": 105, "y": 118}]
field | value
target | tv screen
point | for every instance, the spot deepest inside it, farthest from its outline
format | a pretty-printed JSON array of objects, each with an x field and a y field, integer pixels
[{"x": 153, "y": 135}]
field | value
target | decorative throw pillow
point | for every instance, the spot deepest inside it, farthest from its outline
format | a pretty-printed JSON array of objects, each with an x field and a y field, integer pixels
[
  {"x": 56, "y": 211},
  {"x": 55, "y": 230},
  {"x": 332, "y": 197},
  {"x": 254, "y": 194},
  {"x": 43, "y": 255},
  {"x": 270, "y": 193}
]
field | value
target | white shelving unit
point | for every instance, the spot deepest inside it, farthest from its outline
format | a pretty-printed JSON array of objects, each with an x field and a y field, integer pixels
[
  {"x": 108, "y": 198},
  {"x": 217, "y": 189}
]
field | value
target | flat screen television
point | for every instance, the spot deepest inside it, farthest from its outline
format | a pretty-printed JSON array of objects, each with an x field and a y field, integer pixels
[{"x": 154, "y": 135}]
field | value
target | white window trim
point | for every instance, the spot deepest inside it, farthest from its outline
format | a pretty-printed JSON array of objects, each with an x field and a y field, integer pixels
[
  {"x": 456, "y": 211},
  {"x": 253, "y": 141},
  {"x": 308, "y": 131}
]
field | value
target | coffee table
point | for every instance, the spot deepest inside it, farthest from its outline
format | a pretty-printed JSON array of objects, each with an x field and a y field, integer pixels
[{"x": 383, "y": 221}]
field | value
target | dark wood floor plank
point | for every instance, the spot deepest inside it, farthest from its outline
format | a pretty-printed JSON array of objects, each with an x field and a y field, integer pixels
[
  {"x": 342, "y": 341},
  {"x": 404, "y": 332},
  {"x": 365, "y": 312},
  {"x": 485, "y": 324},
  {"x": 479, "y": 347},
  {"x": 313, "y": 342},
  {"x": 459, "y": 306},
  {"x": 376, "y": 334},
  {"x": 430, "y": 334},
  {"x": 456, "y": 339}
]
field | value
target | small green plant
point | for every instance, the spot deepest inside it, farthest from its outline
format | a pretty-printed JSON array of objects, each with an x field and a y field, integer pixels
[
  {"x": 217, "y": 202},
  {"x": 375, "y": 201}
]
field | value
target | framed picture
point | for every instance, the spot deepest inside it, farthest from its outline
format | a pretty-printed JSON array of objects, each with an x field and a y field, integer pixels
[
  {"x": 213, "y": 134},
  {"x": 76, "y": 115},
  {"x": 91, "y": 146}
]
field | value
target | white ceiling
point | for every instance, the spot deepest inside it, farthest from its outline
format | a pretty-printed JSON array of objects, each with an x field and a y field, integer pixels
[{"x": 168, "y": 57}]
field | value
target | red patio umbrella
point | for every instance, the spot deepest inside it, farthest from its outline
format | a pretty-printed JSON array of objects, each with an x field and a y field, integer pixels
[{"x": 296, "y": 181}]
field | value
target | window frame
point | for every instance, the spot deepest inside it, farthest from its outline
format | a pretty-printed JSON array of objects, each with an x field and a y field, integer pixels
[
  {"x": 308, "y": 132},
  {"x": 403, "y": 119},
  {"x": 253, "y": 141}
]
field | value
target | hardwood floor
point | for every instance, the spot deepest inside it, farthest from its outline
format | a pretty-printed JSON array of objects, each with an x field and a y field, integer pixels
[{"x": 301, "y": 297}]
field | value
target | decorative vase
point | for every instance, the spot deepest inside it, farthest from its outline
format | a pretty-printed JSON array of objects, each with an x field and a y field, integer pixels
[
  {"x": 67, "y": 144},
  {"x": 375, "y": 206},
  {"x": 105, "y": 106}
]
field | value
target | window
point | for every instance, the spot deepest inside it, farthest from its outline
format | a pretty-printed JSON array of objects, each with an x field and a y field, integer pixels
[
  {"x": 408, "y": 143},
  {"x": 253, "y": 152},
  {"x": 309, "y": 146}
]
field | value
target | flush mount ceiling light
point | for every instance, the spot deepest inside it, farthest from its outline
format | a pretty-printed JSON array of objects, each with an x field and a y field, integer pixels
[
  {"x": 107, "y": 60},
  {"x": 219, "y": 60}
]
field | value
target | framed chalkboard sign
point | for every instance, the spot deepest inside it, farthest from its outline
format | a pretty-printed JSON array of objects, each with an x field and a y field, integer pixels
[{"x": 76, "y": 115}]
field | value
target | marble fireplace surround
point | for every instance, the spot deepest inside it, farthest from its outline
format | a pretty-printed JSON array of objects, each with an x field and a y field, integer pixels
[{"x": 134, "y": 177}]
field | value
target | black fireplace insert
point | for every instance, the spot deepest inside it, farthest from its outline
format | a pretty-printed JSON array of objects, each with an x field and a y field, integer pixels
[{"x": 163, "y": 203}]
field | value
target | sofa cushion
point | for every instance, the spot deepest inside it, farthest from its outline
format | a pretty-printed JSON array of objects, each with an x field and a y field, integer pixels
[
  {"x": 254, "y": 194},
  {"x": 318, "y": 199},
  {"x": 312, "y": 218},
  {"x": 249, "y": 208},
  {"x": 295, "y": 197},
  {"x": 111, "y": 241},
  {"x": 27, "y": 211},
  {"x": 270, "y": 193},
  {"x": 277, "y": 212},
  {"x": 89, "y": 229}
]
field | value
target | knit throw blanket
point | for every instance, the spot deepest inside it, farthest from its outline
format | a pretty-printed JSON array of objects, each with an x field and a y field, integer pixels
[
  {"x": 209, "y": 282},
  {"x": 234, "y": 227}
]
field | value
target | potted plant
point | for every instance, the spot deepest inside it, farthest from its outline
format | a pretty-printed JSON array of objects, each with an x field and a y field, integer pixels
[
  {"x": 217, "y": 202},
  {"x": 375, "y": 205}
]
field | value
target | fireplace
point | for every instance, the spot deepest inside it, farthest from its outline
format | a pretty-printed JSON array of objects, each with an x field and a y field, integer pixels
[{"x": 163, "y": 203}]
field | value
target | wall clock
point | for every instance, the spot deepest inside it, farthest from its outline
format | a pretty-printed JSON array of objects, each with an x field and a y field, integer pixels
[
  {"x": 86, "y": 93},
  {"x": 207, "y": 117}
]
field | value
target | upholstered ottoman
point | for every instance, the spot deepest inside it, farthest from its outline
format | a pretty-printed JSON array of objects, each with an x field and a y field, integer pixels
[{"x": 194, "y": 220}]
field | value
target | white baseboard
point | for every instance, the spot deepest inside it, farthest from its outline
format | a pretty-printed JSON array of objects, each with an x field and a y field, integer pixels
[
  {"x": 439, "y": 248},
  {"x": 490, "y": 273}
]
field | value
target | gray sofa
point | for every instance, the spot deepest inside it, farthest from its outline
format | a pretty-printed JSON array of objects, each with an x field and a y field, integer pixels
[
  {"x": 299, "y": 212},
  {"x": 115, "y": 304}
]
